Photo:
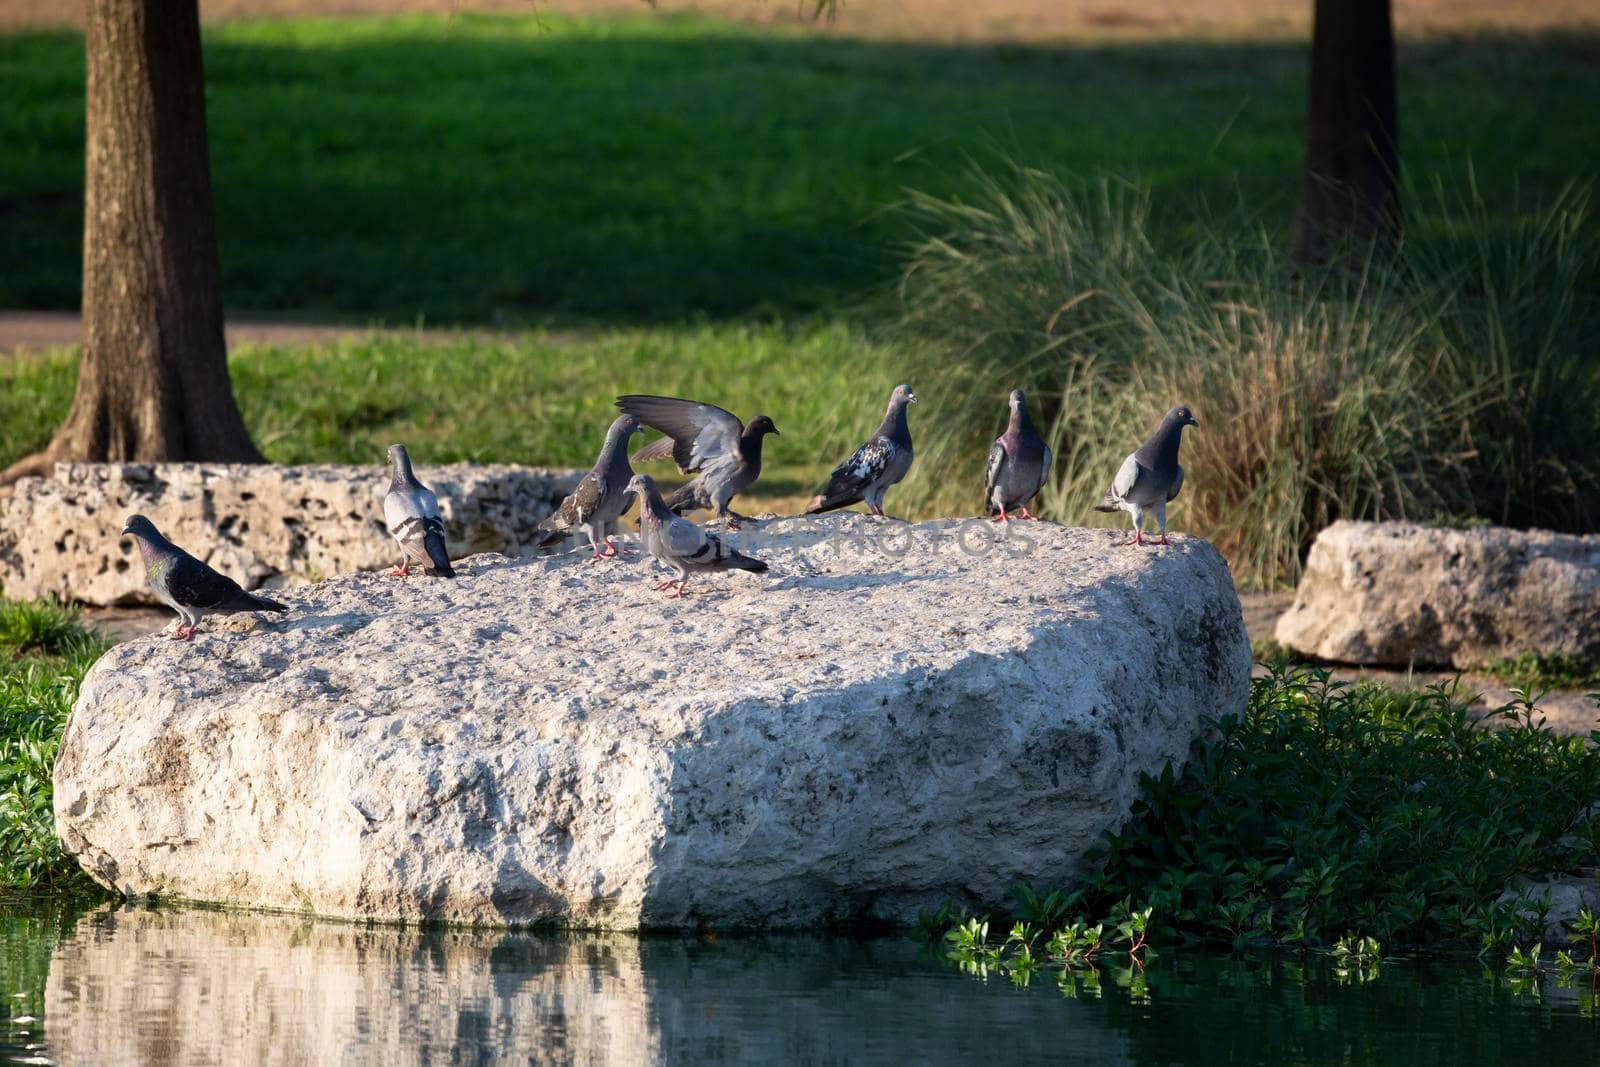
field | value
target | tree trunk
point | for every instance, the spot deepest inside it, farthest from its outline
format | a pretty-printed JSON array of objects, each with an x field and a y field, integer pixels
[
  {"x": 1349, "y": 195},
  {"x": 153, "y": 375}
]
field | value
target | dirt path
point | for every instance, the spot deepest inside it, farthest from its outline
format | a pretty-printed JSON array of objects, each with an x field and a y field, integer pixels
[
  {"x": 33, "y": 331},
  {"x": 1039, "y": 21}
]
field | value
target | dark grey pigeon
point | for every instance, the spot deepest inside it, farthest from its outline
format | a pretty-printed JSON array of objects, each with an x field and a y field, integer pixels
[
  {"x": 411, "y": 512},
  {"x": 679, "y": 543},
  {"x": 186, "y": 585},
  {"x": 601, "y": 498},
  {"x": 1019, "y": 463},
  {"x": 704, "y": 440},
  {"x": 875, "y": 466},
  {"x": 1151, "y": 476}
]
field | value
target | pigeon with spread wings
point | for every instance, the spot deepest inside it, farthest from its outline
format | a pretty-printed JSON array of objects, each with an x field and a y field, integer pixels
[{"x": 704, "y": 440}]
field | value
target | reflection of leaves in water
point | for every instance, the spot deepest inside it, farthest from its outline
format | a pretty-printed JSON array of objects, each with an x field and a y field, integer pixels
[{"x": 28, "y": 936}]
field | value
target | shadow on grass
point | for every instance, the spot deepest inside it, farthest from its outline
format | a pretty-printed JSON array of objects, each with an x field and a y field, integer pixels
[{"x": 652, "y": 168}]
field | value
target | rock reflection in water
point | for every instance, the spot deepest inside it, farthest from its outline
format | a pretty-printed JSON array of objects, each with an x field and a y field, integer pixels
[
  {"x": 204, "y": 987},
  {"x": 134, "y": 985}
]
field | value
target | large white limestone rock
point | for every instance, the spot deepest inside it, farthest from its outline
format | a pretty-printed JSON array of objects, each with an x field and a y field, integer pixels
[
  {"x": 894, "y": 715},
  {"x": 1399, "y": 594},
  {"x": 260, "y": 524}
]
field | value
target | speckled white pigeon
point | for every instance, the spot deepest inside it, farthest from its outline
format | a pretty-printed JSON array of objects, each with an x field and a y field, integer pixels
[{"x": 875, "y": 466}]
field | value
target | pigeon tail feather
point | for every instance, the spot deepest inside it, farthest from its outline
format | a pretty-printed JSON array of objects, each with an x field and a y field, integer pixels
[
  {"x": 832, "y": 502},
  {"x": 745, "y": 563},
  {"x": 684, "y": 498},
  {"x": 434, "y": 544},
  {"x": 255, "y": 602}
]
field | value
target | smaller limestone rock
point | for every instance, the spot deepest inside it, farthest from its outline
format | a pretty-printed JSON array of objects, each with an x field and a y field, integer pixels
[
  {"x": 262, "y": 525},
  {"x": 1399, "y": 594},
  {"x": 1566, "y": 895}
]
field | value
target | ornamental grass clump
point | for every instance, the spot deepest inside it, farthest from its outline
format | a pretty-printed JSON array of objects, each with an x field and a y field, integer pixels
[{"x": 1454, "y": 380}]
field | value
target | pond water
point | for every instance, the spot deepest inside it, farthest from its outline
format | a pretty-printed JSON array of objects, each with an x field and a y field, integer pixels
[{"x": 116, "y": 985}]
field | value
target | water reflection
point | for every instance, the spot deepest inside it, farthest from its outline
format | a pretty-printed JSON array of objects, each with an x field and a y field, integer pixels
[
  {"x": 203, "y": 987},
  {"x": 127, "y": 985}
]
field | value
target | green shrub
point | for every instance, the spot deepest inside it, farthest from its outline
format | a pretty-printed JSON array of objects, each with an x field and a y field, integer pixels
[
  {"x": 1458, "y": 381},
  {"x": 1533, "y": 672},
  {"x": 39, "y": 627},
  {"x": 1329, "y": 808}
]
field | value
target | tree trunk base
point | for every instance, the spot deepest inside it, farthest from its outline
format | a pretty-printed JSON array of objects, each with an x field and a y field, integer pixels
[{"x": 37, "y": 465}]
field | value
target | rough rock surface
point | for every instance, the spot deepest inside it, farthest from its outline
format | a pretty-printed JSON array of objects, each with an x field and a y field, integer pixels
[
  {"x": 1397, "y": 594},
  {"x": 1567, "y": 895},
  {"x": 883, "y": 721},
  {"x": 261, "y": 525}
]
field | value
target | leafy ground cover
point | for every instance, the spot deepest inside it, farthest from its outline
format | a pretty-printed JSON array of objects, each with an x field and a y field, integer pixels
[{"x": 44, "y": 654}]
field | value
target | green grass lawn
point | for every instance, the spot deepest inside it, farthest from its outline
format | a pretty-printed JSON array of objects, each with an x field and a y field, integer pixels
[
  {"x": 536, "y": 398},
  {"x": 646, "y": 168}
]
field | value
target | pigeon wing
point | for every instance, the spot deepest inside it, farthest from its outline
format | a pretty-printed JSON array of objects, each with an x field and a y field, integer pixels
[
  {"x": 700, "y": 434},
  {"x": 848, "y": 483},
  {"x": 578, "y": 505},
  {"x": 991, "y": 473},
  {"x": 195, "y": 585},
  {"x": 683, "y": 539},
  {"x": 1127, "y": 477}
]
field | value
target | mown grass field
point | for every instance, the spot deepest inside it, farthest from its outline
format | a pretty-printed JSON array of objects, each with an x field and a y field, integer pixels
[
  {"x": 642, "y": 167},
  {"x": 790, "y": 220},
  {"x": 529, "y": 398}
]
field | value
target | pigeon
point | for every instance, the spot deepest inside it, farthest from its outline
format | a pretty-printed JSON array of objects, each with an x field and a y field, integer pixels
[
  {"x": 411, "y": 512},
  {"x": 679, "y": 543},
  {"x": 601, "y": 498},
  {"x": 1151, "y": 476},
  {"x": 186, "y": 585},
  {"x": 875, "y": 466},
  {"x": 1019, "y": 463},
  {"x": 703, "y": 439}
]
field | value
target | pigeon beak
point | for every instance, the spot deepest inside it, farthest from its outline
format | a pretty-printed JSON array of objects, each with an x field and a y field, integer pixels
[
  {"x": 1194, "y": 422},
  {"x": 911, "y": 398}
]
